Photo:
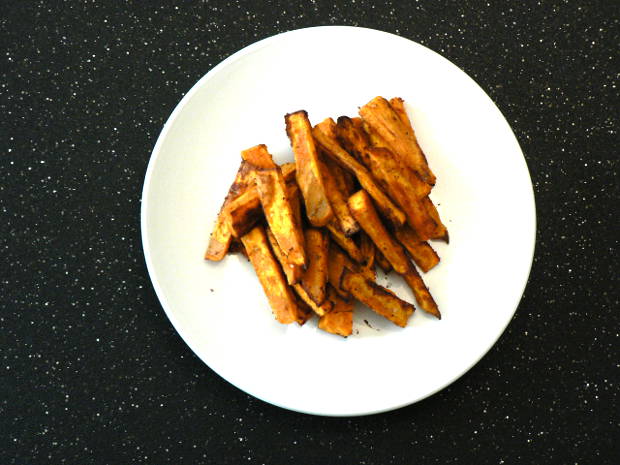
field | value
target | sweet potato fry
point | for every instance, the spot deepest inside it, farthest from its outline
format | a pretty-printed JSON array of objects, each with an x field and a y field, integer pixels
[
  {"x": 277, "y": 208},
  {"x": 381, "y": 300},
  {"x": 422, "y": 253},
  {"x": 382, "y": 262},
  {"x": 335, "y": 269},
  {"x": 367, "y": 247},
  {"x": 314, "y": 278},
  {"x": 292, "y": 272},
  {"x": 440, "y": 231},
  {"x": 279, "y": 294},
  {"x": 324, "y": 134},
  {"x": 353, "y": 138},
  {"x": 305, "y": 312},
  {"x": 364, "y": 212},
  {"x": 398, "y": 105},
  {"x": 337, "y": 197},
  {"x": 345, "y": 242},
  {"x": 397, "y": 181},
  {"x": 243, "y": 212},
  {"x": 421, "y": 293},
  {"x": 320, "y": 310},
  {"x": 340, "y": 319},
  {"x": 221, "y": 236},
  {"x": 309, "y": 176},
  {"x": 355, "y": 267},
  {"x": 381, "y": 117}
]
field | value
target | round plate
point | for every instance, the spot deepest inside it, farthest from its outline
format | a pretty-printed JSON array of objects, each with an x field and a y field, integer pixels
[{"x": 483, "y": 193}]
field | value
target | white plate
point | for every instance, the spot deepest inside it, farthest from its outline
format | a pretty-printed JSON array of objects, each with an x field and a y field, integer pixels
[{"x": 483, "y": 192}]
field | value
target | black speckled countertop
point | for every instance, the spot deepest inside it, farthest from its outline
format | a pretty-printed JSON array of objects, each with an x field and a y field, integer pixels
[{"x": 91, "y": 371}]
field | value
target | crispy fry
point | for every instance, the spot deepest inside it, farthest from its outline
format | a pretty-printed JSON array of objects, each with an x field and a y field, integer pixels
[
  {"x": 397, "y": 181},
  {"x": 279, "y": 294},
  {"x": 381, "y": 117},
  {"x": 243, "y": 212},
  {"x": 314, "y": 278},
  {"x": 236, "y": 247},
  {"x": 364, "y": 212},
  {"x": 367, "y": 247},
  {"x": 340, "y": 319},
  {"x": 422, "y": 253},
  {"x": 440, "y": 231},
  {"x": 337, "y": 197},
  {"x": 221, "y": 236},
  {"x": 320, "y": 310},
  {"x": 309, "y": 176},
  {"x": 382, "y": 262},
  {"x": 353, "y": 138},
  {"x": 324, "y": 134},
  {"x": 381, "y": 300},
  {"x": 344, "y": 179},
  {"x": 345, "y": 242},
  {"x": 305, "y": 312},
  {"x": 354, "y": 267},
  {"x": 277, "y": 208},
  {"x": 421, "y": 293},
  {"x": 398, "y": 105},
  {"x": 335, "y": 269},
  {"x": 292, "y": 272}
]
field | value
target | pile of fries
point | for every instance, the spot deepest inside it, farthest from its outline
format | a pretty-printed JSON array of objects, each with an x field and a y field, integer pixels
[{"x": 357, "y": 196}]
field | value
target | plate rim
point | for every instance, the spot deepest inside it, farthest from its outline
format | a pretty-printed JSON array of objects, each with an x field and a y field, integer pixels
[{"x": 239, "y": 54}]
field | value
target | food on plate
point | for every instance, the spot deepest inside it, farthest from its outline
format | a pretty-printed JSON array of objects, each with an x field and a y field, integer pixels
[
  {"x": 280, "y": 295},
  {"x": 309, "y": 176},
  {"x": 276, "y": 205},
  {"x": 364, "y": 183}
]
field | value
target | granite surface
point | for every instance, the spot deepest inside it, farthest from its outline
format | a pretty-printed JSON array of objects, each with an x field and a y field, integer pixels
[{"x": 91, "y": 370}]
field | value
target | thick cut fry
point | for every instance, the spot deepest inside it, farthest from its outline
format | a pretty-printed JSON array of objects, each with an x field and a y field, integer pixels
[
  {"x": 398, "y": 185},
  {"x": 382, "y": 262},
  {"x": 364, "y": 212},
  {"x": 335, "y": 269},
  {"x": 337, "y": 197},
  {"x": 381, "y": 300},
  {"x": 422, "y": 253},
  {"x": 277, "y": 208},
  {"x": 421, "y": 293},
  {"x": 381, "y": 117},
  {"x": 340, "y": 319},
  {"x": 367, "y": 247},
  {"x": 347, "y": 243},
  {"x": 309, "y": 176},
  {"x": 440, "y": 231},
  {"x": 305, "y": 312},
  {"x": 354, "y": 267},
  {"x": 236, "y": 247},
  {"x": 221, "y": 237},
  {"x": 292, "y": 272},
  {"x": 353, "y": 138},
  {"x": 279, "y": 294},
  {"x": 324, "y": 134},
  {"x": 398, "y": 105},
  {"x": 344, "y": 180},
  {"x": 243, "y": 212},
  {"x": 320, "y": 310},
  {"x": 314, "y": 278}
]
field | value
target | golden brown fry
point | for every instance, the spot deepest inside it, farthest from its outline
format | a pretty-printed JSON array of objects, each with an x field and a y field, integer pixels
[
  {"x": 324, "y": 134},
  {"x": 277, "y": 208},
  {"x": 347, "y": 243},
  {"x": 361, "y": 207},
  {"x": 381, "y": 117},
  {"x": 293, "y": 272},
  {"x": 440, "y": 231},
  {"x": 221, "y": 236},
  {"x": 381, "y": 300},
  {"x": 337, "y": 197},
  {"x": 398, "y": 105},
  {"x": 335, "y": 269},
  {"x": 320, "y": 310},
  {"x": 367, "y": 247},
  {"x": 243, "y": 212},
  {"x": 279, "y": 294},
  {"x": 309, "y": 176},
  {"x": 422, "y": 253},
  {"x": 340, "y": 319},
  {"x": 354, "y": 267},
  {"x": 305, "y": 312},
  {"x": 421, "y": 293},
  {"x": 397, "y": 181},
  {"x": 382, "y": 261},
  {"x": 364, "y": 212},
  {"x": 236, "y": 247},
  {"x": 353, "y": 138},
  {"x": 314, "y": 278}
]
